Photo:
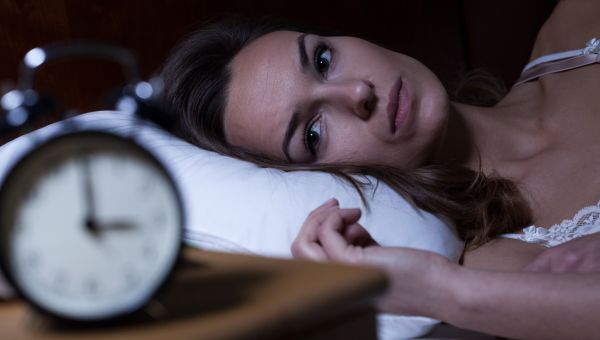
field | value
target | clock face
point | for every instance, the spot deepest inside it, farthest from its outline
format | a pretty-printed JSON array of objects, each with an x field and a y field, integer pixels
[{"x": 90, "y": 226}]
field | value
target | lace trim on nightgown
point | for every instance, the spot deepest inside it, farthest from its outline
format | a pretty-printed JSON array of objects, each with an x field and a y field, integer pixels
[{"x": 586, "y": 221}]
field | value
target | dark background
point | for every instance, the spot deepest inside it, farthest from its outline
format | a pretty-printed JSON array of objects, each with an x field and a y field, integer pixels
[{"x": 449, "y": 36}]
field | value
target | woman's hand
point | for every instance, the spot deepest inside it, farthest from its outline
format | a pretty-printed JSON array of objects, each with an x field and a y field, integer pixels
[
  {"x": 579, "y": 255},
  {"x": 417, "y": 279},
  {"x": 331, "y": 233}
]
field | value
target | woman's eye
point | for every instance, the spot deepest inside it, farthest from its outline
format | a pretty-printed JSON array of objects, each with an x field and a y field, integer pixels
[
  {"x": 312, "y": 136},
  {"x": 322, "y": 59}
]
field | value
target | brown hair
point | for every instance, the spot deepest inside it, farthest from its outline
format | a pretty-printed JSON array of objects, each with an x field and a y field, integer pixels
[
  {"x": 196, "y": 78},
  {"x": 479, "y": 87}
]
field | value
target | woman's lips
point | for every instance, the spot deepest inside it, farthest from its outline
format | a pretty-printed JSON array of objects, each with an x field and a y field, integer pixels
[{"x": 398, "y": 105}]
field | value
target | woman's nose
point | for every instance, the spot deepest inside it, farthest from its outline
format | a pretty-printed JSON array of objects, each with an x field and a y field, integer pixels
[{"x": 356, "y": 95}]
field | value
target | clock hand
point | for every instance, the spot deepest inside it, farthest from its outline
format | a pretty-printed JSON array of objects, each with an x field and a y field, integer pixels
[
  {"x": 116, "y": 225},
  {"x": 90, "y": 218}
]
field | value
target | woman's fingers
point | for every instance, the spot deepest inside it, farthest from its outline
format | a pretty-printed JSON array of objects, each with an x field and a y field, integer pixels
[
  {"x": 306, "y": 244},
  {"x": 329, "y": 203},
  {"x": 357, "y": 235},
  {"x": 315, "y": 218},
  {"x": 337, "y": 232},
  {"x": 310, "y": 250}
]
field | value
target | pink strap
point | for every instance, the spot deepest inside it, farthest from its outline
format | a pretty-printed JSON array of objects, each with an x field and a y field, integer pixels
[
  {"x": 562, "y": 61},
  {"x": 558, "y": 66}
]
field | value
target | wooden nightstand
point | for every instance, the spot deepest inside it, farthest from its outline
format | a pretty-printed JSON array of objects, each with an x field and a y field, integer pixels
[{"x": 226, "y": 296}]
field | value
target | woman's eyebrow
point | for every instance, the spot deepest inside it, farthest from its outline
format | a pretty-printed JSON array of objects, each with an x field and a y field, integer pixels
[{"x": 303, "y": 56}]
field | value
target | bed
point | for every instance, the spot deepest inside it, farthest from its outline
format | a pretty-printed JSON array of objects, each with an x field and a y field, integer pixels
[{"x": 238, "y": 207}]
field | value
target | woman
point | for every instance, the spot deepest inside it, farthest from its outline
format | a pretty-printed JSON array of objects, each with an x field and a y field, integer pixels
[{"x": 295, "y": 100}]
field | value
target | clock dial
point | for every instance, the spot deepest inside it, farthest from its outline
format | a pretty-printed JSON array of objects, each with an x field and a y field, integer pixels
[{"x": 91, "y": 226}]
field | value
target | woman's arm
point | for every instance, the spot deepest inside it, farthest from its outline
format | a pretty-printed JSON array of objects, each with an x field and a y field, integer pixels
[
  {"x": 524, "y": 305},
  {"x": 579, "y": 255},
  {"x": 510, "y": 304}
]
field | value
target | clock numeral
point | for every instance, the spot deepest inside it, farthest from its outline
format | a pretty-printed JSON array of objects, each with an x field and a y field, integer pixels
[
  {"x": 60, "y": 277},
  {"x": 131, "y": 278},
  {"x": 28, "y": 193},
  {"x": 148, "y": 252},
  {"x": 59, "y": 282},
  {"x": 118, "y": 167},
  {"x": 18, "y": 228},
  {"x": 31, "y": 194},
  {"x": 32, "y": 260},
  {"x": 159, "y": 219},
  {"x": 145, "y": 188},
  {"x": 53, "y": 163},
  {"x": 92, "y": 287}
]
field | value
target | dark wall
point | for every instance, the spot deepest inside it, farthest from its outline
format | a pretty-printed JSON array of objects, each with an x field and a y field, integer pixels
[{"x": 450, "y": 36}]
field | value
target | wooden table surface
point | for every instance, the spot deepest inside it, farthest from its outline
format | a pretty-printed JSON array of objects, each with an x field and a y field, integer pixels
[{"x": 226, "y": 296}]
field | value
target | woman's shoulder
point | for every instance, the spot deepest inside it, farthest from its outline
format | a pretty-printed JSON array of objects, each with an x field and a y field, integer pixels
[
  {"x": 572, "y": 24},
  {"x": 569, "y": 27}
]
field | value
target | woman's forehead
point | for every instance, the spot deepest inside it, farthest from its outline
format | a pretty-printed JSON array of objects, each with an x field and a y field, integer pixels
[{"x": 264, "y": 78}]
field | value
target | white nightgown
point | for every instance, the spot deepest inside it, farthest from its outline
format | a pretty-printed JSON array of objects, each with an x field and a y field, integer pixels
[{"x": 585, "y": 222}]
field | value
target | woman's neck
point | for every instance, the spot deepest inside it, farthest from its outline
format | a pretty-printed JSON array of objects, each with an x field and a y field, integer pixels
[{"x": 497, "y": 139}]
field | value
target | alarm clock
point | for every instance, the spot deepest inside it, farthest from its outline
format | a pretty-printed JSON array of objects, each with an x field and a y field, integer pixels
[{"x": 91, "y": 223}]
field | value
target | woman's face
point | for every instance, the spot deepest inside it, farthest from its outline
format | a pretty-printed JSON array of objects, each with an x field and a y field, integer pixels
[{"x": 312, "y": 99}]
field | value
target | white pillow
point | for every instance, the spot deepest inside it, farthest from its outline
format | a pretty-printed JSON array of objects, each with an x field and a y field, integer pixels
[{"x": 236, "y": 206}]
